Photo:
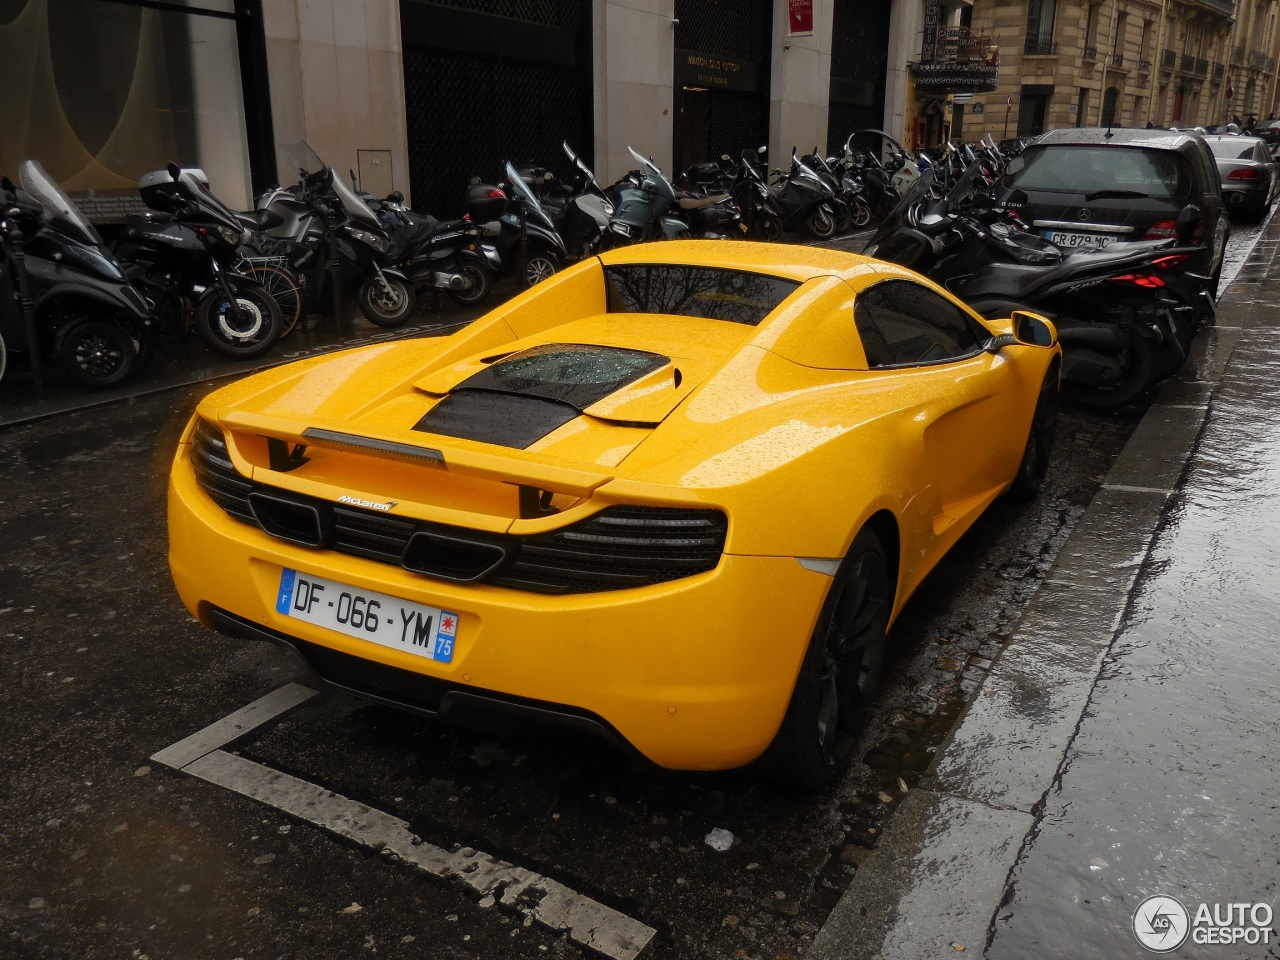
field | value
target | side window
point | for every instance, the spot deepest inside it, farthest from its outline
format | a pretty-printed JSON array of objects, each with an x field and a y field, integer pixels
[{"x": 902, "y": 322}]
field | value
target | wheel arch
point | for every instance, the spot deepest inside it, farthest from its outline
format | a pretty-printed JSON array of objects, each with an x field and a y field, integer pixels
[{"x": 885, "y": 526}]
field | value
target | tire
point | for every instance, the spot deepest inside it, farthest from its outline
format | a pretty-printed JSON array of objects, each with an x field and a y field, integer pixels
[
  {"x": 844, "y": 215},
  {"x": 387, "y": 301},
  {"x": 95, "y": 352},
  {"x": 820, "y": 224},
  {"x": 481, "y": 285},
  {"x": 839, "y": 675},
  {"x": 282, "y": 283},
  {"x": 541, "y": 265},
  {"x": 1035, "y": 455},
  {"x": 4, "y": 357},
  {"x": 246, "y": 338},
  {"x": 1137, "y": 379},
  {"x": 769, "y": 227},
  {"x": 861, "y": 213}
]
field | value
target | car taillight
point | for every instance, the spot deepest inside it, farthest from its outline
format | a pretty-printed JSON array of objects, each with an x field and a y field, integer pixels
[
  {"x": 1171, "y": 261},
  {"x": 1243, "y": 175},
  {"x": 1161, "y": 230},
  {"x": 1147, "y": 280}
]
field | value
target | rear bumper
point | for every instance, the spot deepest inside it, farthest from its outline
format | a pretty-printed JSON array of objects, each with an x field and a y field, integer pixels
[{"x": 693, "y": 673}]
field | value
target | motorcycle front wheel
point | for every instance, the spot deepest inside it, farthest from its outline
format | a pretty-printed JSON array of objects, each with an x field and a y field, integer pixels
[
  {"x": 244, "y": 337},
  {"x": 541, "y": 264},
  {"x": 820, "y": 223},
  {"x": 478, "y": 286},
  {"x": 861, "y": 213},
  {"x": 386, "y": 301},
  {"x": 768, "y": 227}
]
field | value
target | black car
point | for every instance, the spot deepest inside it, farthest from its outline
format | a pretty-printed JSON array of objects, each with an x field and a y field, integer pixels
[{"x": 1093, "y": 186}]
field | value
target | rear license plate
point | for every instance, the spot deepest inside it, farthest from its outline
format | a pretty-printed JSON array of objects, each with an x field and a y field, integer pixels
[
  {"x": 399, "y": 624},
  {"x": 1069, "y": 238}
]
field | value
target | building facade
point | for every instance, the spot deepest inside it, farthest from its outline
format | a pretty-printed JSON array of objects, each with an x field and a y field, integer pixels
[
  {"x": 419, "y": 95},
  {"x": 1067, "y": 63}
]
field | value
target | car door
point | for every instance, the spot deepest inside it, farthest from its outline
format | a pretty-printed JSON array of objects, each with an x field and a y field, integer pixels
[{"x": 959, "y": 403}]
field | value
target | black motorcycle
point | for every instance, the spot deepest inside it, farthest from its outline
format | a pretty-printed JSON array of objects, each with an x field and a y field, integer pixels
[
  {"x": 511, "y": 217},
  {"x": 577, "y": 208},
  {"x": 90, "y": 318},
  {"x": 802, "y": 200},
  {"x": 1126, "y": 314},
  {"x": 182, "y": 256}
]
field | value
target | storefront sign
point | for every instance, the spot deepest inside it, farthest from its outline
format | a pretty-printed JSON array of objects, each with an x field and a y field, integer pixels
[
  {"x": 800, "y": 18},
  {"x": 932, "y": 13},
  {"x": 715, "y": 73}
]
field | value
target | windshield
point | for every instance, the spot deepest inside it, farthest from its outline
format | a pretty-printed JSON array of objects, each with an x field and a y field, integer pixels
[
  {"x": 59, "y": 212},
  {"x": 533, "y": 208},
  {"x": 960, "y": 191},
  {"x": 897, "y": 217},
  {"x": 356, "y": 208},
  {"x": 299, "y": 156},
  {"x": 577, "y": 161},
  {"x": 653, "y": 174},
  {"x": 1089, "y": 169}
]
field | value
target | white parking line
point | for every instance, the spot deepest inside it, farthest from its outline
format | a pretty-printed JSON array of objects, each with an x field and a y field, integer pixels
[{"x": 546, "y": 901}]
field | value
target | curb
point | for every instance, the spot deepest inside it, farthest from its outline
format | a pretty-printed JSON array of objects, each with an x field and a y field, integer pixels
[{"x": 932, "y": 887}]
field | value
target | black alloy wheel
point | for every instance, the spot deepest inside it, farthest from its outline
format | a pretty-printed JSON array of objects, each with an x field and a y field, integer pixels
[
  {"x": 386, "y": 301},
  {"x": 244, "y": 334},
  {"x": 95, "y": 352},
  {"x": 840, "y": 673}
]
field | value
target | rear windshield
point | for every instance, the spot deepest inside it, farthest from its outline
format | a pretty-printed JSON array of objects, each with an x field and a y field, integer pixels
[
  {"x": 712, "y": 292},
  {"x": 1232, "y": 149},
  {"x": 1088, "y": 169}
]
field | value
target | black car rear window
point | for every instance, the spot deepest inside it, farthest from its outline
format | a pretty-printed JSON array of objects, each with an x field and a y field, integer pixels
[
  {"x": 716, "y": 293},
  {"x": 1082, "y": 168}
]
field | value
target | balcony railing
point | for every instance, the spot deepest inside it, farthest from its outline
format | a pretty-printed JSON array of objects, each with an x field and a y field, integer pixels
[
  {"x": 1144, "y": 66},
  {"x": 1260, "y": 61},
  {"x": 1091, "y": 53},
  {"x": 1219, "y": 71},
  {"x": 1117, "y": 59},
  {"x": 1187, "y": 63},
  {"x": 1237, "y": 55},
  {"x": 1202, "y": 67},
  {"x": 1226, "y": 7},
  {"x": 1040, "y": 48},
  {"x": 1167, "y": 59}
]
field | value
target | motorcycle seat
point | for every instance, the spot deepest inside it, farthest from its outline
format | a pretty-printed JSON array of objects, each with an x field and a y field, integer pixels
[
  {"x": 260, "y": 219},
  {"x": 1004, "y": 278},
  {"x": 697, "y": 203}
]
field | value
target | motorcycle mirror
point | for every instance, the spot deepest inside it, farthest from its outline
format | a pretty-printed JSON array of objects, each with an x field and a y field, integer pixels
[
  {"x": 474, "y": 181},
  {"x": 1031, "y": 329},
  {"x": 175, "y": 172},
  {"x": 1187, "y": 221},
  {"x": 762, "y": 149},
  {"x": 548, "y": 175},
  {"x": 395, "y": 196}
]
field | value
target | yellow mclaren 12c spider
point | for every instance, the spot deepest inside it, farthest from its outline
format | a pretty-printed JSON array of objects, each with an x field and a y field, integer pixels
[{"x": 675, "y": 494}]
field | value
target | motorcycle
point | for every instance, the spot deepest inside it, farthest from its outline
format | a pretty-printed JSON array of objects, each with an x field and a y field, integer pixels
[
  {"x": 182, "y": 255},
  {"x": 803, "y": 200},
  {"x": 852, "y": 210},
  {"x": 91, "y": 319},
  {"x": 514, "y": 221},
  {"x": 751, "y": 194},
  {"x": 580, "y": 211},
  {"x": 642, "y": 202},
  {"x": 1126, "y": 314}
]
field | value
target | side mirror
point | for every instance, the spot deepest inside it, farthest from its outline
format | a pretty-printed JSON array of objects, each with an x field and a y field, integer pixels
[
  {"x": 175, "y": 171},
  {"x": 1187, "y": 222},
  {"x": 395, "y": 196},
  {"x": 1032, "y": 329},
  {"x": 1015, "y": 165}
]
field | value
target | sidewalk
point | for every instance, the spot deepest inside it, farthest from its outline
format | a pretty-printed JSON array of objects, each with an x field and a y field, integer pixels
[{"x": 1121, "y": 747}]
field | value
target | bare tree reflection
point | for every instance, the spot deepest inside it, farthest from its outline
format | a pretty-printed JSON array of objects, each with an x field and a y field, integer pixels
[{"x": 711, "y": 292}]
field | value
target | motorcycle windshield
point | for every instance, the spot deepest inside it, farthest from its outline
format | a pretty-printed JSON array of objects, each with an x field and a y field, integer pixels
[
  {"x": 533, "y": 209},
  {"x": 963, "y": 186},
  {"x": 897, "y": 217},
  {"x": 205, "y": 202},
  {"x": 654, "y": 175},
  {"x": 354, "y": 207},
  {"x": 807, "y": 171},
  {"x": 58, "y": 209},
  {"x": 577, "y": 162}
]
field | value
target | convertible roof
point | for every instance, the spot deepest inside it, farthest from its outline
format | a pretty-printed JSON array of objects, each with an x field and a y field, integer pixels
[{"x": 787, "y": 260}]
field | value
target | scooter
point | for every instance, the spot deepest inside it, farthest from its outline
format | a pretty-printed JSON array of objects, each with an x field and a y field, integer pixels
[
  {"x": 803, "y": 200},
  {"x": 641, "y": 210},
  {"x": 90, "y": 318},
  {"x": 511, "y": 217}
]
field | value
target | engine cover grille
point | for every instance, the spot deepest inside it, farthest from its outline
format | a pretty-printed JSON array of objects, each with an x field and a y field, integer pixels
[{"x": 617, "y": 548}]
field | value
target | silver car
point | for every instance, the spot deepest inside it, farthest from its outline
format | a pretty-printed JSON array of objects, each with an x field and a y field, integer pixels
[{"x": 1250, "y": 177}]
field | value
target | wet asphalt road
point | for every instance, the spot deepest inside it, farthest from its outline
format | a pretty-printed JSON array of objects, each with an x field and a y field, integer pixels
[{"x": 103, "y": 854}]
